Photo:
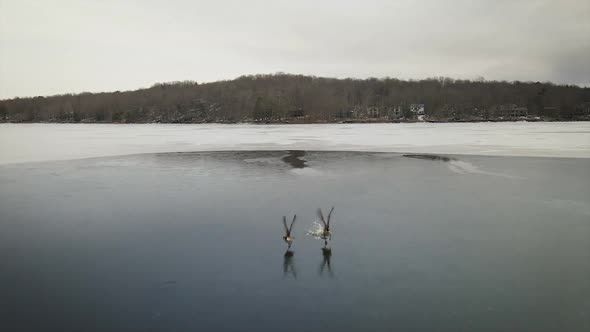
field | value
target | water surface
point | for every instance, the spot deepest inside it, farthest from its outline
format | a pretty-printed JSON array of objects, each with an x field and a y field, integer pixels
[{"x": 192, "y": 241}]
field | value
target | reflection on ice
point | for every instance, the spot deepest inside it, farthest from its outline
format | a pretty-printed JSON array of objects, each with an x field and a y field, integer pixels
[
  {"x": 326, "y": 262},
  {"x": 289, "y": 264}
]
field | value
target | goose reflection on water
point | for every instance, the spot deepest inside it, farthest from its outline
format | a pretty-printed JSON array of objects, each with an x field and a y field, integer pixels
[
  {"x": 326, "y": 234},
  {"x": 327, "y": 254},
  {"x": 289, "y": 264}
]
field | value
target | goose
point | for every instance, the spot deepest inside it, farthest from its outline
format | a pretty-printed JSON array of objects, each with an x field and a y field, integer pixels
[
  {"x": 326, "y": 233},
  {"x": 288, "y": 238}
]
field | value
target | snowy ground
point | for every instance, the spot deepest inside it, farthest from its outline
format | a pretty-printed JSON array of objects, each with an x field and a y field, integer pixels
[{"x": 43, "y": 142}]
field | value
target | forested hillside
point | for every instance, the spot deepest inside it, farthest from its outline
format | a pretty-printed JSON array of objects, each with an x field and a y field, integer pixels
[{"x": 297, "y": 98}]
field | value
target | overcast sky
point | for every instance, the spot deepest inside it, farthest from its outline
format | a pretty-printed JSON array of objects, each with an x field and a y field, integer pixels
[{"x": 60, "y": 46}]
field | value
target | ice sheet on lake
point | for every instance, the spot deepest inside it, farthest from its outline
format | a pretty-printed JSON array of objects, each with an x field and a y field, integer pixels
[{"x": 43, "y": 142}]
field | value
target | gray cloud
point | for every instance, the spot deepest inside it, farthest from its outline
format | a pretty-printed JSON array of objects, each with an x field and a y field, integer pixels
[{"x": 72, "y": 46}]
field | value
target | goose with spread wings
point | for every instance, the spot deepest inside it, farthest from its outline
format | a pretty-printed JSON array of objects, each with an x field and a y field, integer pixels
[
  {"x": 326, "y": 233},
  {"x": 288, "y": 238}
]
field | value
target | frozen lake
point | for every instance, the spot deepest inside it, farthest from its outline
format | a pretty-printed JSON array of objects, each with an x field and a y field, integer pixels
[
  {"x": 153, "y": 228},
  {"x": 192, "y": 242},
  {"x": 43, "y": 142}
]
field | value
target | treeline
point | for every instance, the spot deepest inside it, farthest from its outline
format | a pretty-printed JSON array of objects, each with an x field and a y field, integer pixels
[{"x": 284, "y": 97}]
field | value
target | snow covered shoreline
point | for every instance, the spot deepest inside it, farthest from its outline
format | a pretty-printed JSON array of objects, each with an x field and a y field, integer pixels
[{"x": 45, "y": 142}]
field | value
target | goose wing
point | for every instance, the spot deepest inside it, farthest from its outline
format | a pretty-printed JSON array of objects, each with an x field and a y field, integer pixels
[
  {"x": 321, "y": 216},
  {"x": 285, "y": 225},
  {"x": 330, "y": 215},
  {"x": 291, "y": 226}
]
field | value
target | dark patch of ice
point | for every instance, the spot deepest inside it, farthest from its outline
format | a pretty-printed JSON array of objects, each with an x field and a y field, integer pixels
[
  {"x": 429, "y": 157},
  {"x": 294, "y": 160}
]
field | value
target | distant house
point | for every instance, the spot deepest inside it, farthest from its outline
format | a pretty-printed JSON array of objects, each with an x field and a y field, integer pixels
[
  {"x": 373, "y": 112},
  {"x": 417, "y": 109},
  {"x": 394, "y": 112}
]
